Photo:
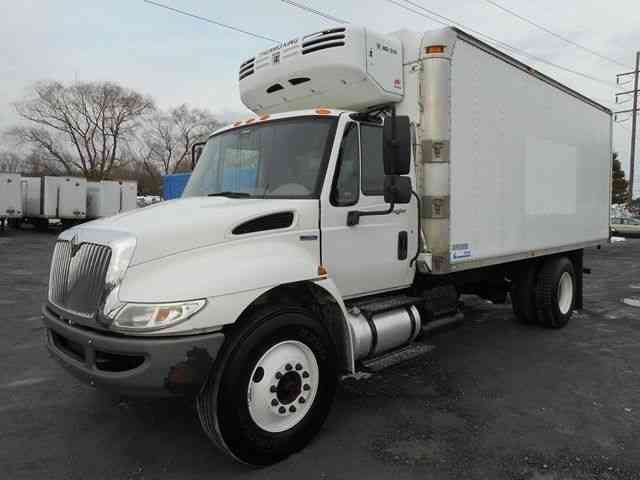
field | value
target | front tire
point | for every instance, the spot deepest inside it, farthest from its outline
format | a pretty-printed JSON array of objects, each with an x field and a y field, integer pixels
[
  {"x": 275, "y": 387},
  {"x": 556, "y": 292}
]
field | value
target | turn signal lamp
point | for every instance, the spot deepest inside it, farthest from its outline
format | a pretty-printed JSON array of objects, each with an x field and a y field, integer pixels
[
  {"x": 323, "y": 111},
  {"x": 434, "y": 49}
]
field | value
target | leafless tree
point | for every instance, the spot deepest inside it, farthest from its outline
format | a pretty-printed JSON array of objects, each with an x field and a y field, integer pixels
[
  {"x": 169, "y": 136},
  {"x": 81, "y": 126},
  {"x": 11, "y": 162}
]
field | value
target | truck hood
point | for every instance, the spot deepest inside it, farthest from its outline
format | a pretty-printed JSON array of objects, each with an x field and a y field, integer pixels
[{"x": 184, "y": 224}]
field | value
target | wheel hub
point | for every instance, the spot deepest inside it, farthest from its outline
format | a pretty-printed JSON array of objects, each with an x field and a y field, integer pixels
[{"x": 283, "y": 386}]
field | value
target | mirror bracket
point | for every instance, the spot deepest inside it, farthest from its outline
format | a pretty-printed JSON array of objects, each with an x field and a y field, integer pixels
[{"x": 353, "y": 217}]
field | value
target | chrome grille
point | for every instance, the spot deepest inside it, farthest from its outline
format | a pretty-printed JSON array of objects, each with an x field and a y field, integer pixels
[{"x": 77, "y": 278}]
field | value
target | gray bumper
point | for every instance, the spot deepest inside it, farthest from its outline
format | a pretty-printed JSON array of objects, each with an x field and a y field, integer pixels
[{"x": 132, "y": 365}]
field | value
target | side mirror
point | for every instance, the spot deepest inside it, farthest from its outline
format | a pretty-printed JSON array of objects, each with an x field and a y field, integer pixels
[
  {"x": 397, "y": 189},
  {"x": 397, "y": 145},
  {"x": 196, "y": 151}
]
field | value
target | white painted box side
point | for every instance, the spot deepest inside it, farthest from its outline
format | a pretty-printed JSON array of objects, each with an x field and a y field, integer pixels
[
  {"x": 10, "y": 196},
  {"x": 128, "y": 196},
  {"x": 103, "y": 199},
  {"x": 70, "y": 196},
  {"x": 530, "y": 164}
]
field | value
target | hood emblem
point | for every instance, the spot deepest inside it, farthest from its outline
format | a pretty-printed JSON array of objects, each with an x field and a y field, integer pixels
[{"x": 75, "y": 245}]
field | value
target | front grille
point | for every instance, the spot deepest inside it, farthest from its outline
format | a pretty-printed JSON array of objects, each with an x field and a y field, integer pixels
[{"x": 77, "y": 278}]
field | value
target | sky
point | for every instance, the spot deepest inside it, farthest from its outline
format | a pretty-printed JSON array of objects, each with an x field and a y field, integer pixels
[{"x": 177, "y": 59}]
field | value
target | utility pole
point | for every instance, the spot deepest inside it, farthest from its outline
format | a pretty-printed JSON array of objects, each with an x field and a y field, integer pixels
[{"x": 634, "y": 118}]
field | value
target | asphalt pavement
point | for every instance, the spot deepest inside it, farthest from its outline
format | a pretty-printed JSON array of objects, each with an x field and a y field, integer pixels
[{"x": 493, "y": 400}]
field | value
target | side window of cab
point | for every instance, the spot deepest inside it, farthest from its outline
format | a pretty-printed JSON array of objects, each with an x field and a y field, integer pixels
[
  {"x": 346, "y": 183},
  {"x": 372, "y": 163}
]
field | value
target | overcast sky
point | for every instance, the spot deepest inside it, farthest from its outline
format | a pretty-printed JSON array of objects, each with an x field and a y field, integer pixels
[{"x": 178, "y": 59}]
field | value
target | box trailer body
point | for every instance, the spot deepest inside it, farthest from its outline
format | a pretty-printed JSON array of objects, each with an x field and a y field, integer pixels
[
  {"x": 10, "y": 196},
  {"x": 381, "y": 177},
  {"x": 128, "y": 195},
  {"x": 103, "y": 199},
  {"x": 173, "y": 185},
  {"x": 56, "y": 197}
]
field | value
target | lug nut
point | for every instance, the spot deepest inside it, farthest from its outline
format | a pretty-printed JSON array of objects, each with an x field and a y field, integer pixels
[
  {"x": 305, "y": 374},
  {"x": 278, "y": 375},
  {"x": 282, "y": 410},
  {"x": 292, "y": 409},
  {"x": 288, "y": 366},
  {"x": 298, "y": 366},
  {"x": 273, "y": 389},
  {"x": 301, "y": 400},
  {"x": 306, "y": 387},
  {"x": 274, "y": 402}
]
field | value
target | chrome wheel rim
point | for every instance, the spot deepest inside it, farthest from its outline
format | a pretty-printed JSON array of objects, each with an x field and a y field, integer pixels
[
  {"x": 565, "y": 293},
  {"x": 283, "y": 386}
]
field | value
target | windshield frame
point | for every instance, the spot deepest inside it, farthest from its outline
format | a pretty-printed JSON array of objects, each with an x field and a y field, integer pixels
[{"x": 322, "y": 169}]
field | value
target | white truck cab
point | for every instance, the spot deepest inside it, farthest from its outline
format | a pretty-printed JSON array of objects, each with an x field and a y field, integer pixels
[{"x": 381, "y": 176}]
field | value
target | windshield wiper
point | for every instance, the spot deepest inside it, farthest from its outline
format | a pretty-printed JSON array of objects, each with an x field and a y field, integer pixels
[{"x": 230, "y": 194}]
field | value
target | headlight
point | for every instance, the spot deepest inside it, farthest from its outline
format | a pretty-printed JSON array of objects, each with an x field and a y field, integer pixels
[{"x": 147, "y": 317}]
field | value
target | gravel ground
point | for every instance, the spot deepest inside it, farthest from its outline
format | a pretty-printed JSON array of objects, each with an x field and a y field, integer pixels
[{"x": 493, "y": 399}]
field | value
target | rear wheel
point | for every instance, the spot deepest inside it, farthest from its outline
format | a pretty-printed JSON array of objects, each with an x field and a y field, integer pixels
[
  {"x": 556, "y": 292},
  {"x": 275, "y": 388},
  {"x": 523, "y": 299}
]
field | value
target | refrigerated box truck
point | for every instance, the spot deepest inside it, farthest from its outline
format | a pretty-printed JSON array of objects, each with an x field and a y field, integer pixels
[
  {"x": 63, "y": 198},
  {"x": 10, "y": 198},
  {"x": 389, "y": 174}
]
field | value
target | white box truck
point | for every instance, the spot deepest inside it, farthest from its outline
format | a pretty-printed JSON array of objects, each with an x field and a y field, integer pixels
[
  {"x": 381, "y": 177},
  {"x": 48, "y": 197},
  {"x": 10, "y": 198}
]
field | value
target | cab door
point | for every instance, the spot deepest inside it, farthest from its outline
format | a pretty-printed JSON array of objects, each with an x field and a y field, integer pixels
[{"x": 374, "y": 255}]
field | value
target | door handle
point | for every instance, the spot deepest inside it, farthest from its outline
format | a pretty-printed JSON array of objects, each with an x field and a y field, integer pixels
[{"x": 403, "y": 243}]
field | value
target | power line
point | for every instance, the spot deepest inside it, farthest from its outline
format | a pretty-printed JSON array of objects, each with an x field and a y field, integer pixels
[
  {"x": 209, "y": 20},
  {"x": 551, "y": 32},
  {"x": 492, "y": 39},
  {"x": 314, "y": 11}
]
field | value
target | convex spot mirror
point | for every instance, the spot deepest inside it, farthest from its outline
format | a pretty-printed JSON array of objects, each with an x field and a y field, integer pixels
[
  {"x": 397, "y": 189},
  {"x": 396, "y": 145}
]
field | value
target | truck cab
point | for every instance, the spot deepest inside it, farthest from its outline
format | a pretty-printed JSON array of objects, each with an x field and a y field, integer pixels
[{"x": 326, "y": 232}]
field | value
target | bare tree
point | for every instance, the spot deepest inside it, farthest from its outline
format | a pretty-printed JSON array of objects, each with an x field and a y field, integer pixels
[
  {"x": 82, "y": 126},
  {"x": 11, "y": 162},
  {"x": 169, "y": 136}
]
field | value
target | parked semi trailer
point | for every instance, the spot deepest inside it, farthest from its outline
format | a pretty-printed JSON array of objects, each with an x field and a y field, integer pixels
[
  {"x": 391, "y": 173},
  {"x": 10, "y": 198},
  {"x": 110, "y": 197},
  {"x": 63, "y": 198}
]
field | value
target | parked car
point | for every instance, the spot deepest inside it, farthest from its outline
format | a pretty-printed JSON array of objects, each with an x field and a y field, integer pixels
[{"x": 625, "y": 227}]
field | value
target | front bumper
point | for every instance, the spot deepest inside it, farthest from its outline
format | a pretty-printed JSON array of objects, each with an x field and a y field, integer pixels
[{"x": 128, "y": 365}]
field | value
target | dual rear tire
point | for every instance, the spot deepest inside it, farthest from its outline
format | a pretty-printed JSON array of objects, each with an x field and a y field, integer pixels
[{"x": 545, "y": 293}]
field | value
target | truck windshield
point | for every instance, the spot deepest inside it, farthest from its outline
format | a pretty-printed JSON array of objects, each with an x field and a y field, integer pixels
[{"x": 276, "y": 159}]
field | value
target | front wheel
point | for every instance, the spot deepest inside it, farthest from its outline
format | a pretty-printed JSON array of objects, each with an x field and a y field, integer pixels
[{"x": 275, "y": 389}]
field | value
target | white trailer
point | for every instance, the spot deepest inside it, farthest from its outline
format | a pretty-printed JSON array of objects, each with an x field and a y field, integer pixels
[
  {"x": 103, "y": 199},
  {"x": 128, "y": 195},
  {"x": 110, "y": 197},
  {"x": 48, "y": 197},
  {"x": 381, "y": 177},
  {"x": 10, "y": 198}
]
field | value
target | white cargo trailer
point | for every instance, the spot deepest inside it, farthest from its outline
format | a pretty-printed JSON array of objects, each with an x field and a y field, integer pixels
[
  {"x": 381, "y": 177},
  {"x": 103, "y": 198},
  {"x": 10, "y": 198},
  {"x": 48, "y": 197},
  {"x": 128, "y": 195},
  {"x": 109, "y": 197}
]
